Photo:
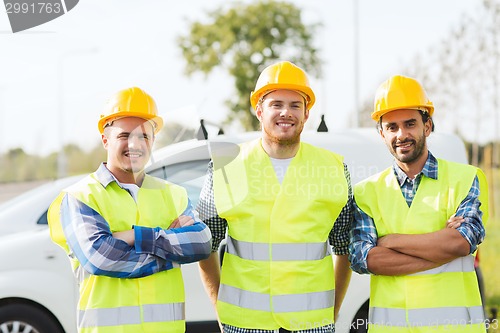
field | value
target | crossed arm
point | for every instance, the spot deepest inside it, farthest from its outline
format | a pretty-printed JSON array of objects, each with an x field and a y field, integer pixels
[
  {"x": 133, "y": 253},
  {"x": 402, "y": 254}
]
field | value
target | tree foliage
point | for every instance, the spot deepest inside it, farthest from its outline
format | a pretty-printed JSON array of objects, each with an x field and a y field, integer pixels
[
  {"x": 461, "y": 75},
  {"x": 245, "y": 38}
]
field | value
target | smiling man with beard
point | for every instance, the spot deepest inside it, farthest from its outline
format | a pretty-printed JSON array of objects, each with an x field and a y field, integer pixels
[
  {"x": 284, "y": 203},
  {"x": 127, "y": 232},
  {"x": 418, "y": 224}
]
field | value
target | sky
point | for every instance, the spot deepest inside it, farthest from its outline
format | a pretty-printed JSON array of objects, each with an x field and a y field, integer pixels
[{"x": 55, "y": 78}]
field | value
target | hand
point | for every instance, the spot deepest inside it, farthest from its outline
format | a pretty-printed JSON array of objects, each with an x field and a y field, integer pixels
[
  {"x": 454, "y": 221},
  {"x": 182, "y": 221},
  {"x": 127, "y": 236}
]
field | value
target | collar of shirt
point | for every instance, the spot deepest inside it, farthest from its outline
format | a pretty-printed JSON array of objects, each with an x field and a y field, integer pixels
[
  {"x": 104, "y": 176},
  {"x": 429, "y": 170}
]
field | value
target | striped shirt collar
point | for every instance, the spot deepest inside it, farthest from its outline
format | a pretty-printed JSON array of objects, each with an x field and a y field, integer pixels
[
  {"x": 429, "y": 170},
  {"x": 104, "y": 176}
]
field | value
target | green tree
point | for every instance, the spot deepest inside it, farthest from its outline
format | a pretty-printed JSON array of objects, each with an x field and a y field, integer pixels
[{"x": 245, "y": 38}]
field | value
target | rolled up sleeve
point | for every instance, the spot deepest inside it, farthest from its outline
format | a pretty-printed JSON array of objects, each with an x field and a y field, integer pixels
[
  {"x": 363, "y": 237},
  {"x": 472, "y": 229},
  {"x": 182, "y": 245}
]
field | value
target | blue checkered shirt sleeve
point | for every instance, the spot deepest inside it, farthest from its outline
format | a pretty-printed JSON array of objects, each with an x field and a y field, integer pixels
[
  {"x": 91, "y": 241},
  {"x": 472, "y": 229},
  {"x": 363, "y": 239}
]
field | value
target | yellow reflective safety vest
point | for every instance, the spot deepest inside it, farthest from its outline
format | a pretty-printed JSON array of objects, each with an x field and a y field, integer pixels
[
  {"x": 153, "y": 303},
  {"x": 277, "y": 269},
  {"x": 443, "y": 299}
]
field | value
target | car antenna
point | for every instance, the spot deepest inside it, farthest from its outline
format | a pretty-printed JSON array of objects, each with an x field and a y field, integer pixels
[
  {"x": 322, "y": 125},
  {"x": 202, "y": 131}
]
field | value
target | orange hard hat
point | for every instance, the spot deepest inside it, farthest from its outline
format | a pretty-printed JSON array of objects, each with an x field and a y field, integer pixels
[
  {"x": 400, "y": 92},
  {"x": 130, "y": 102},
  {"x": 283, "y": 75}
]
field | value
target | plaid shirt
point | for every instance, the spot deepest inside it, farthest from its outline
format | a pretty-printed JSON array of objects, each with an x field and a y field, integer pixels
[
  {"x": 90, "y": 239},
  {"x": 323, "y": 329},
  {"x": 338, "y": 237},
  {"x": 364, "y": 234}
]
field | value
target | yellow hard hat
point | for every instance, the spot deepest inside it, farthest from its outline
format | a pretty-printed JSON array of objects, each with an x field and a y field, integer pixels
[
  {"x": 283, "y": 75},
  {"x": 130, "y": 102},
  {"x": 400, "y": 92}
]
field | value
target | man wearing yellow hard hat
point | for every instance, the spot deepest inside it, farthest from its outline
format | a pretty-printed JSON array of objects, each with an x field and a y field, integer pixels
[
  {"x": 127, "y": 232},
  {"x": 418, "y": 224},
  {"x": 283, "y": 202}
]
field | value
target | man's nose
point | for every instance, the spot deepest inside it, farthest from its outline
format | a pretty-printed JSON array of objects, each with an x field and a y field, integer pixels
[
  {"x": 401, "y": 133},
  {"x": 285, "y": 111},
  {"x": 134, "y": 141}
]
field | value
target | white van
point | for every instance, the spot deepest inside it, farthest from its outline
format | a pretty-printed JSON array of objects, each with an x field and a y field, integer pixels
[{"x": 37, "y": 289}]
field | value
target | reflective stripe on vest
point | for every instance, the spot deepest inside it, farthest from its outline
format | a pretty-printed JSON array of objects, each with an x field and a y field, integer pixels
[
  {"x": 462, "y": 264},
  {"x": 280, "y": 248},
  {"x": 279, "y": 251},
  {"x": 130, "y": 315},
  {"x": 281, "y": 303},
  {"x": 426, "y": 317}
]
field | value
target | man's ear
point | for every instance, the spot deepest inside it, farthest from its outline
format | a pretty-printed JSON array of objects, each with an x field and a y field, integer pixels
[
  {"x": 379, "y": 129},
  {"x": 104, "y": 140},
  {"x": 428, "y": 127},
  {"x": 381, "y": 133},
  {"x": 258, "y": 112}
]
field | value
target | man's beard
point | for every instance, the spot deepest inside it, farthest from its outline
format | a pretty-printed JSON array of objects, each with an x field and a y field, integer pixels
[
  {"x": 418, "y": 150},
  {"x": 288, "y": 140}
]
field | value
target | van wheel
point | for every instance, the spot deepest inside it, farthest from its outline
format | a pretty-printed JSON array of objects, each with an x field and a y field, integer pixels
[
  {"x": 18, "y": 317},
  {"x": 360, "y": 322}
]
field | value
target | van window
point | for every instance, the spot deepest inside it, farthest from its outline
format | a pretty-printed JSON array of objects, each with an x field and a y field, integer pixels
[
  {"x": 43, "y": 218},
  {"x": 189, "y": 175}
]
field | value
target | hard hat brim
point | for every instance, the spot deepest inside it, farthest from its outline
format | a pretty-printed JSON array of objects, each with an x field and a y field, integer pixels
[
  {"x": 157, "y": 120},
  {"x": 256, "y": 95},
  {"x": 378, "y": 114}
]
